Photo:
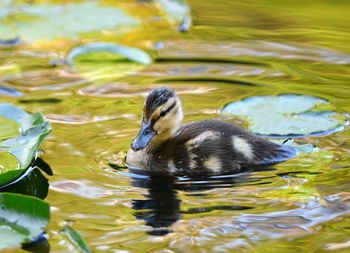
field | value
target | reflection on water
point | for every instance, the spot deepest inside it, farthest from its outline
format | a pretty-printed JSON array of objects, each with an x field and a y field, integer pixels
[
  {"x": 254, "y": 49},
  {"x": 162, "y": 207},
  {"x": 296, "y": 221},
  {"x": 43, "y": 80},
  {"x": 234, "y": 50}
]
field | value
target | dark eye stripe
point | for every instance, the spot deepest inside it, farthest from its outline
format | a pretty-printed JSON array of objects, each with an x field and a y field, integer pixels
[
  {"x": 170, "y": 108},
  {"x": 165, "y": 113}
]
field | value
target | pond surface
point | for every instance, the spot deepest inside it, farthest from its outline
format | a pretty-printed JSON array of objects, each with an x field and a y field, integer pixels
[{"x": 234, "y": 50}]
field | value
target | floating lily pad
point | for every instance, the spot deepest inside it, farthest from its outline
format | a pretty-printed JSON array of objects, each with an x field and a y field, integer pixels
[
  {"x": 32, "y": 183},
  {"x": 22, "y": 219},
  {"x": 16, "y": 153},
  {"x": 76, "y": 239},
  {"x": 131, "y": 53},
  {"x": 7, "y": 163},
  {"x": 52, "y": 21},
  {"x": 287, "y": 115},
  {"x": 8, "y": 128},
  {"x": 299, "y": 147}
]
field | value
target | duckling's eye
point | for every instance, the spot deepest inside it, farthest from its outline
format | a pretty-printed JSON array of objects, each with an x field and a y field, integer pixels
[{"x": 162, "y": 113}]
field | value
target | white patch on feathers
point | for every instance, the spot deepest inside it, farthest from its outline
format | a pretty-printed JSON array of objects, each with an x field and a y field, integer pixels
[
  {"x": 192, "y": 162},
  {"x": 205, "y": 136},
  {"x": 171, "y": 166},
  {"x": 213, "y": 163},
  {"x": 195, "y": 143},
  {"x": 242, "y": 146}
]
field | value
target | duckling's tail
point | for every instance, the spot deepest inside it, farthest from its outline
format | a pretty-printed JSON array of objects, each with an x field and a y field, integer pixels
[{"x": 280, "y": 154}]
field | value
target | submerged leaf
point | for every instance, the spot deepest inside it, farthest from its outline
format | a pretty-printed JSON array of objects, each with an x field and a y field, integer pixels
[
  {"x": 76, "y": 239},
  {"x": 52, "y": 21},
  {"x": 286, "y": 115},
  {"x": 179, "y": 10},
  {"x": 131, "y": 53},
  {"x": 22, "y": 219},
  {"x": 22, "y": 148},
  {"x": 8, "y": 128}
]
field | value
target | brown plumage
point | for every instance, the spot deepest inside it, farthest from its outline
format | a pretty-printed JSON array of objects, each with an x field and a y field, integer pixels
[{"x": 203, "y": 147}]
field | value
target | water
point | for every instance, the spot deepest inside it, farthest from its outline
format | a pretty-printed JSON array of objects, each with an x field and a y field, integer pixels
[{"x": 235, "y": 50}]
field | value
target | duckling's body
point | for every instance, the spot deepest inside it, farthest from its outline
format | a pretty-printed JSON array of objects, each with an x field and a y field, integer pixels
[{"x": 203, "y": 147}]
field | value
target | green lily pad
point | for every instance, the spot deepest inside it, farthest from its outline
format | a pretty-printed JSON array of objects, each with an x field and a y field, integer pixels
[
  {"x": 22, "y": 219},
  {"x": 131, "y": 53},
  {"x": 17, "y": 153},
  {"x": 32, "y": 183},
  {"x": 7, "y": 162},
  {"x": 76, "y": 239},
  {"x": 53, "y": 21},
  {"x": 8, "y": 128},
  {"x": 287, "y": 115},
  {"x": 299, "y": 147}
]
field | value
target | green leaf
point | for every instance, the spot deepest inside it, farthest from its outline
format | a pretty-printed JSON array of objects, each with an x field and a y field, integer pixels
[
  {"x": 17, "y": 153},
  {"x": 32, "y": 183},
  {"x": 22, "y": 219},
  {"x": 287, "y": 115},
  {"x": 52, "y": 21},
  {"x": 76, "y": 239},
  {"x": 131, "y": 53},
  {"x": 8, "y": 128}
]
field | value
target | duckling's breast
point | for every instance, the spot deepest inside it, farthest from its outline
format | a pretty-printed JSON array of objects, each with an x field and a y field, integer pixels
[{"x": 137, "y": 159}]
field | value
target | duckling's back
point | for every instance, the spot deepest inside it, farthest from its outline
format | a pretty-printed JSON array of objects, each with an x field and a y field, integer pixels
[{"x": 214, "y": 147}]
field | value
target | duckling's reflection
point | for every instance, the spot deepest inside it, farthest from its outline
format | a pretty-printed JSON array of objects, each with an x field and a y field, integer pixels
[{"x": 162, "y": 207}]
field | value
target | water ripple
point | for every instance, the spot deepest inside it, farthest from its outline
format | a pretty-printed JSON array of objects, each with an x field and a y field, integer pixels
[
  {"x": 43, "y": 80},
  {"x": 261, "y": 49},
  {"x": 121, "y": 90}
]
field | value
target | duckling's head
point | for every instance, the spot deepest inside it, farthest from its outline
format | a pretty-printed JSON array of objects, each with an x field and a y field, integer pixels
[{"x": 162, "y": 114}]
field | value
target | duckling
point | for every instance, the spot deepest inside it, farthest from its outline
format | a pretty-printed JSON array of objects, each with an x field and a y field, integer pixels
[{"x": 199, "y": 148}]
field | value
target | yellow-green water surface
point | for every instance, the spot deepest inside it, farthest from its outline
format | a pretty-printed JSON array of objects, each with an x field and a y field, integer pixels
[{"x": 235, "y": 50}]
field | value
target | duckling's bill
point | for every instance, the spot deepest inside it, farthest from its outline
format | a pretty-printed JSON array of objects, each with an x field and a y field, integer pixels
[{"x": 144, "y": 137}]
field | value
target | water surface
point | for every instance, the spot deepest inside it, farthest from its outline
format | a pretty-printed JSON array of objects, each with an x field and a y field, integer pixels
[{"x": 235, "y": 50}]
